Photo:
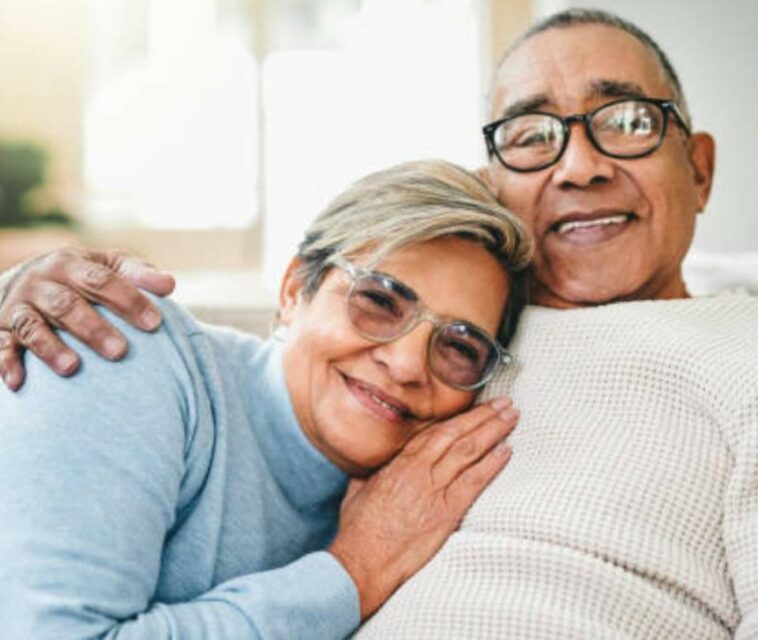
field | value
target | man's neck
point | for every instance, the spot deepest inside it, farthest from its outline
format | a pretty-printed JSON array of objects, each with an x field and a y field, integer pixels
[{"x": 543, "y": 296}]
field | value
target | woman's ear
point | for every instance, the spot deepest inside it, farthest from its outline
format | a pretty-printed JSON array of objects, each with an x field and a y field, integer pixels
[{"x": 290, "y": 292}]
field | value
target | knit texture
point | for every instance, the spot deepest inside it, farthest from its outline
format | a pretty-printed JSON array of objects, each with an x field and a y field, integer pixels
[{"x": 630, "y": 506}]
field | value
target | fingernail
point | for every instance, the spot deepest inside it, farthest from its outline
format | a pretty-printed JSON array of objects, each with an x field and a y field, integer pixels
[
  {"x": 65, "y": 362},
  {"x": 501, "y": 403},
  {"x": 509, "y": 414},
  {"x": 9, "y": 380},
  {"x": 150, "y": 319},
  {"x": 113, "y": 347},
  {"x": 502, "y": 449}
]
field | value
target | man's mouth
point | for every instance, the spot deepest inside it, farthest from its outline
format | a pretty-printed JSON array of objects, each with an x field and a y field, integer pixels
[
  {"x": 378, "y": 402},
  {"x": 594, "y": 227}
]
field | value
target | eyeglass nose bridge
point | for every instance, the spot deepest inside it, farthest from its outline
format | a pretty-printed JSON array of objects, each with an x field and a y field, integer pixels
[
  {"x": 584, "y": 119},
  {"x": 419, "y": 315}
]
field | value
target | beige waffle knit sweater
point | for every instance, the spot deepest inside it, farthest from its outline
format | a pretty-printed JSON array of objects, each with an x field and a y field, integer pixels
[{"x": 630, "y": 506}]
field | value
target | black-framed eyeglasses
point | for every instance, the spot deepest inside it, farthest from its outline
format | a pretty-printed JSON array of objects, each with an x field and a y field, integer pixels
[
  {"x": 383, "y": 309},
  {"x": 628, "y": 128}
]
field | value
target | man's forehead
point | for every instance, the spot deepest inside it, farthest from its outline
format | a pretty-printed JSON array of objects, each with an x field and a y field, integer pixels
[{"x": 581, "y": 63}]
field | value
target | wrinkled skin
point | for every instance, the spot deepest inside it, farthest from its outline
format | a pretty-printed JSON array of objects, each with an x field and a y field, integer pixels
[{"x": 561, "y": 71}]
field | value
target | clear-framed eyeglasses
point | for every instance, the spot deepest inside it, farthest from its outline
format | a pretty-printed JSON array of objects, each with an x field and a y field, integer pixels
[
  {"x": 383, "y": 309},
  {"x": 628, "y": 128}
]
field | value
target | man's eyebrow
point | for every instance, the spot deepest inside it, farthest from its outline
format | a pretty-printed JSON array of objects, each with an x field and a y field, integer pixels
[
  {"x": 527, "y": 105},
  {"x": 616, "y": 89},
  {"x": 598, "y": 89}
]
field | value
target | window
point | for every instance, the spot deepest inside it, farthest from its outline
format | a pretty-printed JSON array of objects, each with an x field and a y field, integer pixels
[{"x": 209, "y": 114}]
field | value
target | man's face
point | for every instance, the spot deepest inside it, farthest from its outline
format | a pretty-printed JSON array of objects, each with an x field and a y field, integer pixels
[{"x": 637, "y": 217}]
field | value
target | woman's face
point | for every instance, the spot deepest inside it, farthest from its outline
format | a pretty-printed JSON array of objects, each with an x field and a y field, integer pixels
[{"x": 359, "y": 401}]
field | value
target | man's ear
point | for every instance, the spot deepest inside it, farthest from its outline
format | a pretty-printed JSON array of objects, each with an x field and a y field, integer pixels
[
  {"x": 290, "y": 292},
  {"x": 702, "y": 152}
]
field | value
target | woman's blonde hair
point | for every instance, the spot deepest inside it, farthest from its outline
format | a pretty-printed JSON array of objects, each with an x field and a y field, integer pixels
[{"x": 411, "y": 203}]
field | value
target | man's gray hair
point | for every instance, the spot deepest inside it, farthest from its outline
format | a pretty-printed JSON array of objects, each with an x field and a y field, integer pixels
[
  {"x": 576, "y": 16},
  {"x": 412, "y": 203}
]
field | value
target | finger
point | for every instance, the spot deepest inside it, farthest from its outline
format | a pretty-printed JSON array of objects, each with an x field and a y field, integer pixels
[
  {"x": 433, "y": 442},
  {"x": 468, "y": 450},
  {"x": 31, "y": 331},
  {"x": 467, "y": 487},
  {"x": 140, "y": 272},
  {"x": 147, "y": 276},
  {"x": 11, "y": 367},
  {"x": 100, "y": 283},
  {"x": 353, "y": 488},
  {"x": 67, "y": 310}
]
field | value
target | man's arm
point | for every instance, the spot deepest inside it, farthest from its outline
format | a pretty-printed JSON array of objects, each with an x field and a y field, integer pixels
[
  {"x": 6, "y": 277},
  {"x": 58, "y": 290},
  {"x": 91, "y": 471}
]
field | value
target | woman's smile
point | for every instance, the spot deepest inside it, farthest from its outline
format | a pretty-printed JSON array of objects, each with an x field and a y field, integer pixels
[{"x": 377, "y": 401}]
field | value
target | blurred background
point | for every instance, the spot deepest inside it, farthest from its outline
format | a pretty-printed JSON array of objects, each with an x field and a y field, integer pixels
[{"x": 205, "y": 134}]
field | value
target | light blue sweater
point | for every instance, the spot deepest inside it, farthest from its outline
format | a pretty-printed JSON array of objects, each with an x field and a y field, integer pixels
[{"x": 170, "y": 495}]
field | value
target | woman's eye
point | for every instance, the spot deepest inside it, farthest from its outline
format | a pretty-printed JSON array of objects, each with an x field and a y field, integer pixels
[
  {"x": 376, "y": 300},
  {"x": 460, "y": 349}
]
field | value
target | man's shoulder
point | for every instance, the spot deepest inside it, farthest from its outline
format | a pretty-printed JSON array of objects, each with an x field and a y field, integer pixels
[
  {"x": 717, "y": 330},
  {"x": 729, "y": 308}
]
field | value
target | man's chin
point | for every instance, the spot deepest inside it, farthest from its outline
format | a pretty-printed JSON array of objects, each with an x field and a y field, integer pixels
[{"x": 571, "y": 295}]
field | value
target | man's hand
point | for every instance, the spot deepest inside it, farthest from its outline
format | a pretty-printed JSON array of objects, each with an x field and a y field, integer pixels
[
  {"x": 58, "y": 290},
  {"x": 392, "y": 523}
]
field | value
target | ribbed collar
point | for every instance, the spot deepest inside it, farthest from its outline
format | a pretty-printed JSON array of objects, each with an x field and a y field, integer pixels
[{"x": 307, "y": 477}]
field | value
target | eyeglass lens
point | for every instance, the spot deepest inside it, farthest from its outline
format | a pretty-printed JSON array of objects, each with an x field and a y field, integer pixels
[
  {"x": 626, "y": 129},
  {"x": 383, "y": 309}
]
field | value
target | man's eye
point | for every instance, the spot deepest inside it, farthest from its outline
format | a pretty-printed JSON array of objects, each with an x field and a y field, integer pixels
[
  {"x": 530, "y": 137},
  {"x": 527, "y": 140},
  {"x": 639, "y": 122}
]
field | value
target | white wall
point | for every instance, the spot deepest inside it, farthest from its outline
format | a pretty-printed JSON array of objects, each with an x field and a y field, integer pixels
[{"x": 713, "y": 48}]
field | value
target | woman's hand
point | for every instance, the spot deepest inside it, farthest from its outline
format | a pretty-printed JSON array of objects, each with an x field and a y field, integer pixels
[
  {"x": 393, "y": 522},
  {"x": 58, "y": 290}
]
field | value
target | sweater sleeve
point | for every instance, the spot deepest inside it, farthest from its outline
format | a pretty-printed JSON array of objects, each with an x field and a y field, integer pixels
[
  {"x": 91, "y": 470},
  {"x": 741, "y": 518}
]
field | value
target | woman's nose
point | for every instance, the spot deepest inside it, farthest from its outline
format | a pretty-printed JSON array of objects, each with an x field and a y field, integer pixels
[{"x": 406, "y": 357}]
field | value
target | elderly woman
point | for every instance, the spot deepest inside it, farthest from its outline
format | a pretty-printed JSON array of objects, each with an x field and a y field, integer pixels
[{"x": 195, "y": 489}]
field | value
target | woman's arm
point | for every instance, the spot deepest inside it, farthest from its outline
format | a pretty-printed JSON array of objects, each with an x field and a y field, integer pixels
[
  {"x": 58, "y": 290},
  {"x": 92, "y": 470}
]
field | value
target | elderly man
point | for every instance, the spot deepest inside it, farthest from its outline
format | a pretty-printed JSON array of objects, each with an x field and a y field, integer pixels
[{"x": 630, "y": 507}]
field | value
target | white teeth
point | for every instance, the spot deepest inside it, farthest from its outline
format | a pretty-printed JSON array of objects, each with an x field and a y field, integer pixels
[
  {"x": 386, "y": 405},
  {"x": 582, "y": 224}
]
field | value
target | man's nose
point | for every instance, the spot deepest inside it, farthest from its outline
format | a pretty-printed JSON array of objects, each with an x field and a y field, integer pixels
[
  {"x": 582, "y": 164},
  {"x": 405, "y": 358}
]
